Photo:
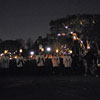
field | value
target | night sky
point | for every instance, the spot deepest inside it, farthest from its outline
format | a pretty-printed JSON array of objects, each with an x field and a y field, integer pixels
[{"x": 30, "y": 18}]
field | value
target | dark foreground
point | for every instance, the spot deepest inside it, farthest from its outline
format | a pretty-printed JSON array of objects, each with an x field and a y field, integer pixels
[{"x": 31, "y": 87}]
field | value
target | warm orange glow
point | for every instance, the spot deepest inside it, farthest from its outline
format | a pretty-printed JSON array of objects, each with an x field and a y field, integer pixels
[
  {"x": 57, "y": 50},
  {"x": 74, "y": 34},
  {"x": 50, "y": 56},
  {"x": 16, "y": 57},
  {"x": 42, "y": 49},
  {"x": 63, "y": 34},
  {"x": 6, "y": 51}
]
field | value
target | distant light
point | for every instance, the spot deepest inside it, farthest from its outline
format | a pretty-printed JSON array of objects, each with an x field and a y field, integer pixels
[
  {"x": 57, "y": 50},
  {"x": 58, "y": 34},
  {"x": 88, "y": 47},
  {"x": 66, "y": 27},
  {"x": 48, "y": 49},
  {"x": 42, "y": 49},
  {"x": 72, "y": 32},
  {"x": 70, "y": 51},
  {"x": 1, "y": 54},
  {"x": 63, "y": 34},
  {"x": 20, "y": 50},
  {"x": 32, "y": 53},
  {"x": 16, "y": 57},
  {"x": 6, "y": 51},
  {"x": 82, "y": 42},
  {"x": 74, "y": 37}
]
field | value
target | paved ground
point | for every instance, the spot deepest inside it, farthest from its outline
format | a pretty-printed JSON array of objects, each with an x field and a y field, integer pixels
[{"x": 49, "y": 88}]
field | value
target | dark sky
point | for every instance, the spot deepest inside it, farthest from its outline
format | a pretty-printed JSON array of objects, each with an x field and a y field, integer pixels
[{"x": 30, "y": 18}]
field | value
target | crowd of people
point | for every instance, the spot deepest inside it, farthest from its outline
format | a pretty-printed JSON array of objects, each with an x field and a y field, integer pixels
[{"x": 67, "y": 64}]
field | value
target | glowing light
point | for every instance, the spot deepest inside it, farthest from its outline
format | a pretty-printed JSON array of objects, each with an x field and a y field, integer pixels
[
  {"x": 32, "y": 53},
  {"x": 63, "y": 34},
  {"x": 66, "y": 27},
  {"x": 57, "y": 50},
  {"x": 82, "y": 42},
  {"x": 48, "y": 49},
  {"x": 58, "y": 34},
  {"x": 16, "y": 57},
  {"x": 70, "y": 51},
  {"x": 71, "y": 32},
  {"x": 74, "y": 37},
  {"x": 74, "y": 34},
  {"x": 1, "y": 54},
  {"x": 6, "y": 51},
  {"x": 88, "y": 47},
  {"x": 42, "y": 49},
  {"x": 20, "y": 50}
]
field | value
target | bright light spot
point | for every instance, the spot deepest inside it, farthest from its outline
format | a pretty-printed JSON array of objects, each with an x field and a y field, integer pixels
[
  {"x": 42, "y": 49},
  {"x": 74, "y": 37},
  {"x": 48, "y": 49},
  {"x": 66, "y": 27},
  {"x": 71, "y": 32},
  {"x": 6, "y": 51},
  {"x": 57, "y": 50},
  {"x": 70, "y": 51},
  {"x": 88, "y": 47},
  {"x": 32, "y": 53},
  {"x": 16, "y": 57},
  {"x": 58, "y": 34},
  {"x": 20, "y": 50},
  {"x": 82, "y": 42},
  {"x": 1, "y": 54}
]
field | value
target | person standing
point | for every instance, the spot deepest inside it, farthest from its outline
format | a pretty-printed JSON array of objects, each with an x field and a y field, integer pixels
[
  {"x": 40, "y": 60},
  {"x": 67, "y": 61},
  {"x": 20, "y": 63},
  {"x": 5, "y": 63},
  {"x": 55, "y": 63}
]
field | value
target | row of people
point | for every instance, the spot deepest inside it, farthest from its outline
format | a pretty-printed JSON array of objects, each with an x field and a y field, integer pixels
[{"x": 67, "y": 62}]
